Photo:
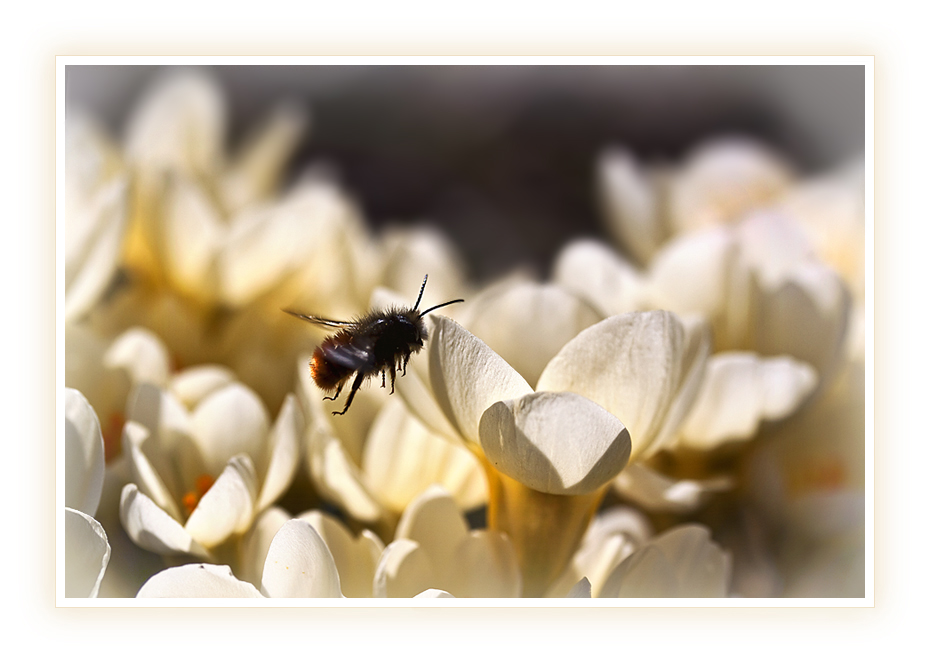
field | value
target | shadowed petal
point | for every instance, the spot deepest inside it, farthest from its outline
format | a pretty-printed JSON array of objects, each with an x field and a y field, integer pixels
[
  {"x": 84, "y": 456},
  {"x": 87, "y": 553},
  {"x": 153, "y": 529}
]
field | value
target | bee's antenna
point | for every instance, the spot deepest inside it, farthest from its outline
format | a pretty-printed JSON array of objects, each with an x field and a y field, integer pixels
[
  {"x": 422, "y": 288},
  {"x": 433, "y": 308}
]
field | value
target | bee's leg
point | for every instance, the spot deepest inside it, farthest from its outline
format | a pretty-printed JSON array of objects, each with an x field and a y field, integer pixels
[
  {"x": 382, "y": 379},
  {"x": 355, "y": 387},
  {"x": 393, "y": 375},
  {"x": 405, "y": 364},
  {"x": 336, "y": 395}
]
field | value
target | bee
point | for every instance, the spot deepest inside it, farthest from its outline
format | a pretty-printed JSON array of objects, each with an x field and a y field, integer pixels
[{"x": 378, "y": 342}]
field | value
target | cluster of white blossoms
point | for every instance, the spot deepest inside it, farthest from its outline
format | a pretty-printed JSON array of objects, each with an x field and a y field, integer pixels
[{"x": 680, "y": 414}]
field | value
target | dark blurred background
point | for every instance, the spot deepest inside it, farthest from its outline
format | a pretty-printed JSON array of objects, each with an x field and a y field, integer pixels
[{"x": 503, "y": 158}]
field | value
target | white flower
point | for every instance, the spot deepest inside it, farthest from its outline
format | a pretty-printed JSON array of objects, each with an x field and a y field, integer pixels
[
  {"x": 87, "y": 551},
  {"x": 205, "y": 461}
]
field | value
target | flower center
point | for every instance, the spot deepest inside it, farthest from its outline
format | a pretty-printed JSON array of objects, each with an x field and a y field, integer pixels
[{"x": 191, "y": 498}]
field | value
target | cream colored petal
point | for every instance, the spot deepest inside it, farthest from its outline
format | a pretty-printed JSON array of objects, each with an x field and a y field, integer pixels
[
  {"x": 402, "y": 458},
  {"x": 739, "y": 391},
  {"x": 94, "y": 236},
  {"x": 194, "y": 384},
  {"x": 282, "y": 453},
  {"x": 411, "y": 253},
  {"x": 253, "y": 549},
  {"x": 356, "y": 557},
  {"x": 595, "y": 272},
  {"x": 435, "y": 522},
  {"x": 151, "y": 528},
  {"x": 580, "y": 590},
  {"x": 434, "y": 594},
  {"x": 467, "y": 376},
  {"x": 631, "y": 202},
  {"x": 257, "y": 168},
  {"x": 197, "y": 581},
  {"x": 641, "y": 367},
  {"x": 299, "y": 565},
  {"x": 624, "y": 520},
  {"x": 558, "y": 443},
  {"x": 84, "y": 458},
  {"x": 483, "y": 565},
  {"x": 142, "y": 355},
  {"x": 528, "y": 323},
  {"x": 142, "y": 471},
  {"x": 87, "y": 554},
  {"x": 160, "y": 412},
  {"x": 228, "y": 507},
  {"x": 179, "y": 124},
  {"x": 338, "y": 479},
  {"x": 691, "y": 273},
  {"x": 404, "y": 571},
  {"x": 230, "y": 421},
  {"x": 681, "y": 563},
  {"x": 654, "y": 491},
  {"x": 724, "y": 178},
  {"x": 192, "y": 230}
]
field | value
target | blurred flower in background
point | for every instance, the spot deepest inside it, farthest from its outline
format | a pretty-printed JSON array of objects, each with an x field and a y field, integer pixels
[{"x": 676, "y": 410}]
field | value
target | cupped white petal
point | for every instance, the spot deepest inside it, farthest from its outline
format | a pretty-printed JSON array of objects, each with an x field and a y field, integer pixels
[
  {"x": 683, "y": 562},
  {"x": 299, "y": 565},
  {"x": 595, "y": 272},
  {"x": 434, "y": 521},
  {"x": 483, "y": 565},
  {"x": 467, "y": 376},
  {"x": 580, "y": 590},
  {"x": 228, "y": 506},
  {"x": 631, "y": 201},
  {"x": 84, "y": 456},
  {"x": 642, "y": 367},
  {"x": 143, "y": 473},
  {"x": 253, "y": 549},
  {"x": 194, "y": 384},
  {"x": 338, "y": 478},
  {"x": 142, "y": 355},
  {"x": 197, "y": 581},
  {"x": 404, "y": 571},
  {"x": 151, "y": 528},
  {"x": 555, "y": 442},
  {"x": 282, "y": 453},
  {"x": 434, "y": 594},
  {"x": 402, "y": 458},
  {"x": 230, "y": 421},
  {"x": 356, "y": 557},
  {"x": 528, "y": 323},
  {"x": 739, "y": 391},
  {"x": 87, "y": 553}
]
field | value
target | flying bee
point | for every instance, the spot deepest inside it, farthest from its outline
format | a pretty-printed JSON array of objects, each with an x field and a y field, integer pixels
[{"x": 378, "y": 342}]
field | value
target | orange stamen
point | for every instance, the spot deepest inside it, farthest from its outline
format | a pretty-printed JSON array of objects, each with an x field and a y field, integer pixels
[{"x": 191, "y": 498}]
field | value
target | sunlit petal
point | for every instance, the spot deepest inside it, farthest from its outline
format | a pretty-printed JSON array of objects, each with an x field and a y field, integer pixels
[
  {"x": 228, "y": 506},
  {"x": 197, "y": 581},
  {"x": 299, "y": 565}
]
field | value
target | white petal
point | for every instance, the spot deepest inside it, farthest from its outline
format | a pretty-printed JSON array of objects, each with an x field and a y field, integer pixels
[
  {"x": 580, "y": 590},
  {"x": 433, "y": 521},
  {"x": 299, "y": 565},
  {"x": 197, "y": 581},
  {"x": 153, "y": 529},
  {"x": 656, "y": 492},
  {"x": 179, "y": 124},
  {"x": 230, "y": 421},
  {"x": 356, "y": 557},
  {"x": 594, "y": 271},
  {"x": 644, "y": 368},
  {"x": 258, "y": 167},
  {"x": 87, "y": 553},
  {"x": 141, "y": 354},
  {"x": 402, "y": 458},
  {"x": 338, "y": 479},
  {"x": 412, "y": 252},
  {"x": 92, "y": 260},
  {"x": 253, "y": 549},
  {"x": 631, "y": 201},
  {"x": 228, "y": 507},
  {"x": 467, "y": 376},
  {"x": 84, "y": 458},
  {"x": 559, "y": 443},
  {"x": 434, "y": 594},
  {"x": 404, "y": 570},
  {"x": 282, "y": 452},
  {"x": 484, "y": 565},
  {"x": 194, "y": 384},
  {"x": 739, "y": 391},
  {"x": 143, "y": 473},
  {"x": 682, "y": 562}
]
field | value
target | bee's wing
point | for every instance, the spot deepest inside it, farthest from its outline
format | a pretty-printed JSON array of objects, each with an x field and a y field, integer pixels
[
  {"x": 355, "y": 356},
  {"x": 316, "y": 320}
]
